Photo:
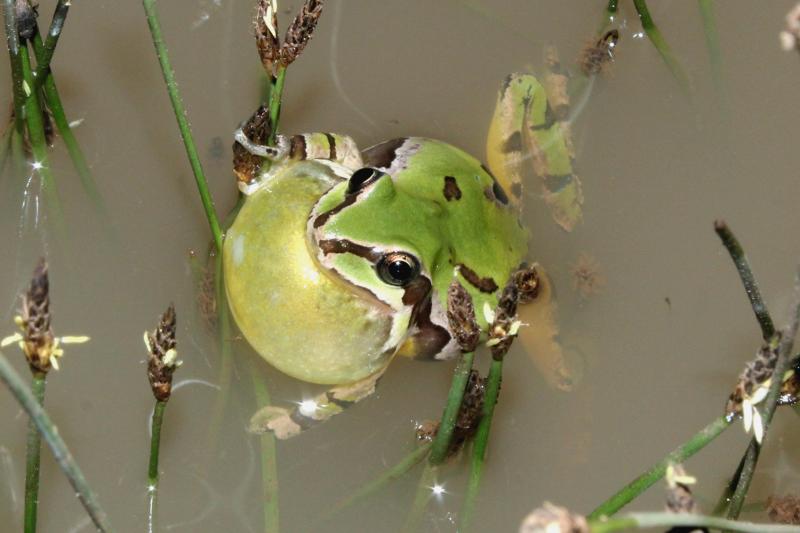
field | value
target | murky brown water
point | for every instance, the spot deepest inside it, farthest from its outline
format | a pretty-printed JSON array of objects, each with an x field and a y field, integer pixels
[{"x": 660, "y": 346}]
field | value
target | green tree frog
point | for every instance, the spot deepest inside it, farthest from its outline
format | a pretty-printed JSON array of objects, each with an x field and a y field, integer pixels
[{"x": 339, "y": 260}]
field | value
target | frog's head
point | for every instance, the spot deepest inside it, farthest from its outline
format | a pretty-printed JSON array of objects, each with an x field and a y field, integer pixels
[{"x": 379, "y": 242}]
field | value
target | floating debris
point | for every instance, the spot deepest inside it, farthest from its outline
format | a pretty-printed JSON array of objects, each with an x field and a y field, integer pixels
[{"x": 587, "y": 277}]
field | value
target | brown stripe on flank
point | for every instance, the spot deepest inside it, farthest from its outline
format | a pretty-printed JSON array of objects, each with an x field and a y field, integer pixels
[
  {"x": 331, "y": 146},
  {"x": 482, "y": 284}
]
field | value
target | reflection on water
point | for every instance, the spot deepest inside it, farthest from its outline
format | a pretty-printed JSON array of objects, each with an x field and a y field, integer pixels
[{"x": 661, "y": 342}]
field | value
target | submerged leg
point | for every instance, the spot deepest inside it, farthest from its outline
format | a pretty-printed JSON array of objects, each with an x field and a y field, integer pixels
[
  {"x": 529, "y": 124},
  {"x": 286, "y": 423},
  {"x": 540, "y": 337}
]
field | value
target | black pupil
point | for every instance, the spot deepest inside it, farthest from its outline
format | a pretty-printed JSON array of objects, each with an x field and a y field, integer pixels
[{"x": 400, "y": 270}]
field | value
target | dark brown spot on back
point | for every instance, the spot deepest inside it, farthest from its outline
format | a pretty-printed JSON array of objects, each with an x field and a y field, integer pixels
[
  {"x": 516, "y": 190},
  {"x": 487, "y": 285},
  {"x": 549, "y": 119},
  {"x": 381, "y": 155},
  {"x": 557, "y": 183},
  {"x": 451, "y": 190},
  {"x": 513, "y": 143}
]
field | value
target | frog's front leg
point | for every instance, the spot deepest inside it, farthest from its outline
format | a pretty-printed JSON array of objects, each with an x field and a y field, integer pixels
[
  {"x": 250, "y": 151},
  {"x": 286, "y": 423}
]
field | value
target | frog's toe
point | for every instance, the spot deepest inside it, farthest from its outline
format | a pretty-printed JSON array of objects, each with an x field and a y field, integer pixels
[{"x": 275, "y": 419}]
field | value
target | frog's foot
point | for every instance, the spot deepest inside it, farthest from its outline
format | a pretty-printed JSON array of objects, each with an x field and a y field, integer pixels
[{"x": 286, "y": 423}]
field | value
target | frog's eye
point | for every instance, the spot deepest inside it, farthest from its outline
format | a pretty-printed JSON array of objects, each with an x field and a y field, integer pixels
[
  {"x": 361, "y": 178},
  {"x": 398, "y": 268}
]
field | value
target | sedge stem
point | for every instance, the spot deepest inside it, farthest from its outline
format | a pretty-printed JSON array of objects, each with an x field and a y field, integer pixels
[
  {"x": 441, "y": 442},
  {"x": 33, "y": 450},
  {"x": 742, "y": 265},
  {"x": 652, "y": 521},
  {"x": 183, "y": 123},
  {"x": 33, "y": 117},
  {"x": 633, "y": 489},
  {"x": 655, "y": 36},
  {"x": 269, "y": 463},
  {"x": 53, "y": 100},
  {"x": 52, "y": 438},
  {"x": 12, "y": 40},
  {"x": 275, "y": 97},
  {"x": 49, "y": 46},
  {"x": 481, "y": 442},
  {"x": 155, "y": 442}
]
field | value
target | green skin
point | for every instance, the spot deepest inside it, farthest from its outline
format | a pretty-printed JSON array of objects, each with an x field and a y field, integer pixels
[{"x": 303, "y": 258}]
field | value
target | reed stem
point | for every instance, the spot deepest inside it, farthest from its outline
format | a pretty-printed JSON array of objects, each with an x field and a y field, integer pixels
[
  {"x": 269, "y": 463},
  {"x": 633, "y": 489},
  {"x": 652, "y": 521},
  {"x": 275, "y": 99},
  {"x": 441, "y": 442},
  {"x": 183, "y": 123},
  {"x": 742, "y": 265},
  {"x": 41, "y": 164},
  {"x": 769, "y": 406},
  {"x": 33, "y": 451},
  {"x": 481, "y": 441},
  {"x": 655, "y": 36},
  {"x": 396, "y": 472},
  {"x": 155, "y": 443},
  {"x": 49, "y": 46},
  {"x": 49, "y": 432},
  {"x": 12, "y": 40}
]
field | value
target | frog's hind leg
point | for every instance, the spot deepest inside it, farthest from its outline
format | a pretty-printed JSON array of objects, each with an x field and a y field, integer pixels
[
  {"x": 527, "y": 125},
  {"x": 286, "y": 423}
]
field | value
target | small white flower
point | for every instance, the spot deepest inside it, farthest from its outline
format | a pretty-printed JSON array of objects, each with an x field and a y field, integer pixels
[{"x": 488, "y": 313}]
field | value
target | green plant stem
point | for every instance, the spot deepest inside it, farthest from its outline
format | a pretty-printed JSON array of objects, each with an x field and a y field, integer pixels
[
  {"x": 769, "y": 406},
  {"x": 655, "y": 36},
  {"x": 60, "y": 451},
  {"x": 5, "y": 150},
  {"x": 441, "y": 442},
  {"x": 421, "y": 498},
  {"x": 608, "y": 16},
  {"x": 656, "y": 472},
  {"x": 49, "y": 46},
  {"x": 33, "y": 117},
  {"x": 670, "y": 520},
  {"x": 155, "y": 442},
  {"x": 183, "y": 123},
  {"x": 389, "y": 475},
  {"x": 269, "y": 463},
  {"x": 739, "y": 258},
  {"x": 53, "y": 100},
  {"x": 712, "y": 40},
  {"x": 33, "y": 457},
  {"x": 725, "y": 498},
  {"x": 481, "y": 441},
  {"x": 12, "y": 40},
  {"x": 275, "y": 98}
]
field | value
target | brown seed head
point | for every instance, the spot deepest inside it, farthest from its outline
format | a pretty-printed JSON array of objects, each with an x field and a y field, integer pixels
[
  {"x": 461, "y": 316},
  {"x": 266, "y": 32},
  {"x": 300, "y": 31},
  {"x": 501, "y": 333},
  {"x": 162, "y": 362},
  {"x": 246, "y": 166},
  {"x": 38, "y": 339},
  {"x": 755, "y": 373}
]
